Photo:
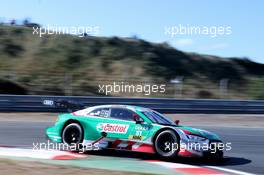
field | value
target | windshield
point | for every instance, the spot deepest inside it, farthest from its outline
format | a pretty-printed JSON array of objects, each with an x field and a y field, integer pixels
[{"x": 156, "y": 117}]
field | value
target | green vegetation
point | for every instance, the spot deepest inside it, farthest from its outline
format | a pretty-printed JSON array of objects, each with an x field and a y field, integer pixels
[{"x": 66, "y": 64}]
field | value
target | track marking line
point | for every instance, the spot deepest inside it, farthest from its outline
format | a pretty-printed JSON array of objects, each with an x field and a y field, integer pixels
[
  {"x": 230, "y": 170},
  {"x": 40, "y": 154},
  {"x": 64, "y": 155},
  {"x": 189, "y": 169}
]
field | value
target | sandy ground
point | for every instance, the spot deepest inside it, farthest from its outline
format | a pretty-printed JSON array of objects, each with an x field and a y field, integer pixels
[
  {"x": 226, "y": 120},
  {"x": 14, "y": 167}
]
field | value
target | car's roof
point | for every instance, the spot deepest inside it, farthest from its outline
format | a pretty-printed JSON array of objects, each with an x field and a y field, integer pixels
[
  {"x": 131, "y": 107},
  {"x": 139, "y": 108}
]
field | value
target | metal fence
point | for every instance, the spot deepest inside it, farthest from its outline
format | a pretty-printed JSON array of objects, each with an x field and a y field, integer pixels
[{"x": 25, "y": 103}]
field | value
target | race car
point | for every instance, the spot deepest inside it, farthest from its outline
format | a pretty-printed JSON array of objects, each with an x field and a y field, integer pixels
[{"x": 132, "y": 128}]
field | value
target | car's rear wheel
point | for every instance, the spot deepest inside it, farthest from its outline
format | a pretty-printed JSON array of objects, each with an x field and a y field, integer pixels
[
  {"x": 72, "y": 135},
  {"x": 166, "y": 144}
]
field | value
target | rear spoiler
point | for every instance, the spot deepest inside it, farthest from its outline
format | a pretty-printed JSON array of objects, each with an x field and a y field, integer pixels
[{"x": 69, "y": 105}]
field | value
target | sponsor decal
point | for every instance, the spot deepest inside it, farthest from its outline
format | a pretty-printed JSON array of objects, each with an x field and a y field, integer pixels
[
  {"x": 136, "y": 137},
  {"x": 112, "y": 128},
  {"x": 142, "y": 128}
]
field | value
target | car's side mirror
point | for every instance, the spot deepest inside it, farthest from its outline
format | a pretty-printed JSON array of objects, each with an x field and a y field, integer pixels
[
  {"x": 137, "y": 119},
  {"x": 177, "y": 122}
]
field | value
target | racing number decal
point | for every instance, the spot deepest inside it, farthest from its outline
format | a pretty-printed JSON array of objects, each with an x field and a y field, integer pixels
[{"x": 138, "y": 133}]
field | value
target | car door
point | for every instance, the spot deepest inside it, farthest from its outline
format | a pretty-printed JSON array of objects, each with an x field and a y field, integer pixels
[
  {"x": 134, "y": 131},
  {"x": 119, "y": 124},
  {"x": 115, "y": 122}
]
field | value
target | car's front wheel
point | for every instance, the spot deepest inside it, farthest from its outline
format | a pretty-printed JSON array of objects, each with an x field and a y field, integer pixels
[
  {"x": 166, "y": 144},
  {"x": 72, "y": 135}
]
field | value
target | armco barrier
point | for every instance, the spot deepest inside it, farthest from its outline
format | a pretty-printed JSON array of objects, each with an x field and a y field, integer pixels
[{"x": 31, "y": 103}]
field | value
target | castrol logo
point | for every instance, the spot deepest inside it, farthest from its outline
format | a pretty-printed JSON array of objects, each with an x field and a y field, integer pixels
[{"x": 112, "y": 128}]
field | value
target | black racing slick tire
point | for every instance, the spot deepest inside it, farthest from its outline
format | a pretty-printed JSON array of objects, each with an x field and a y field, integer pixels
[
  {"x": 166, "y": 144},
  {"x": 72, "y": 135}
]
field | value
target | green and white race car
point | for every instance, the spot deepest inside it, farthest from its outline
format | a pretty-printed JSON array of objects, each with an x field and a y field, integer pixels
[{"x": 132, "y": 128}]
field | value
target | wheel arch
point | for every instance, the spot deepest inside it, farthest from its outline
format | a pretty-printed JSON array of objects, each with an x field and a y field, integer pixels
[
  {"x": 163, "y": 129},
  {"x": 70, "y": 121},
  {"x": 166, "y": 129}
]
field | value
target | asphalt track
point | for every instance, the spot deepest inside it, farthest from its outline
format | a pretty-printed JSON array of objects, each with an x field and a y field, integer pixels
[{"x": 247, "y": 152}]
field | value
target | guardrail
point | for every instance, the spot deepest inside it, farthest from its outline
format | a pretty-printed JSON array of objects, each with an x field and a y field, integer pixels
[{"x": 32, "y": 103}]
